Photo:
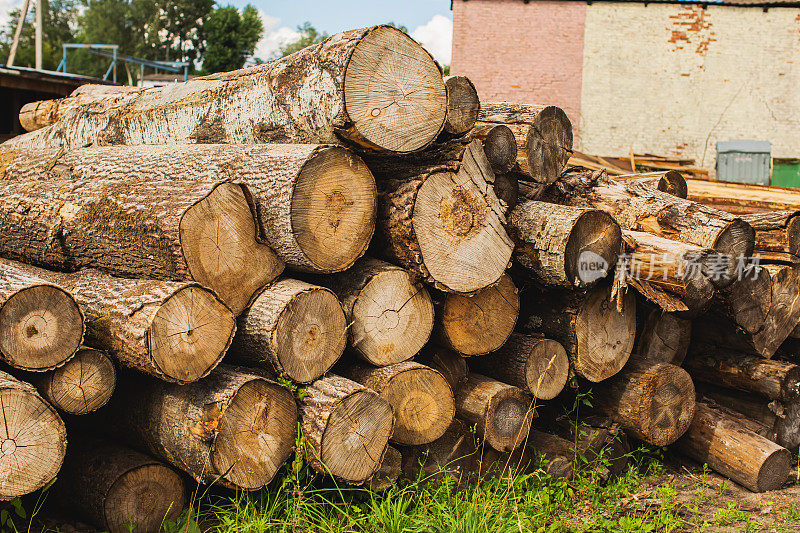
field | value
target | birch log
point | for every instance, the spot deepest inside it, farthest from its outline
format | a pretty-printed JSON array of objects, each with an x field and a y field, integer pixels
[
  {"x": 35, "y": 115},
  {"x": 84, "y": 384},
  {"x": 375, "y": 87}
]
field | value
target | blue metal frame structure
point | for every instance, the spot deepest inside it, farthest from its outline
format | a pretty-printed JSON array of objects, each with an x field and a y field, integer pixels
[{"x": 103, "y": 50}]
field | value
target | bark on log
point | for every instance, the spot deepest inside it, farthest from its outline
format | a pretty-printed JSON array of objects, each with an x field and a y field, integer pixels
[
  {"x": 742, "y": 198},
  {"x": 463, "y": 105},
  {"x": 118, "y": 489},
  {"x": 389, "y": 472},
  {"x": 347, "y": 427},
  {"x": 84, "y": 384},
  {"x": 33, "y": 439},
  {"x": 501, "y": 413},
  {"x": 352, "y": 88},
  {"x": 543, "y": 136},
  {"x": 421, "y": 399},
  {"x": 446, "y": 227},
  {"x": 389, "y": 317},
  {"x": 298, "y": 328},
  {"x": 734, "y": 451},
  {"x": 480, "y": 323},
  {"x": 171, "y": 330},
  {"x": 41, "y": 325},
  {"x": 537, "y": 365},
  {"x": 235, "y": 428},
  {"x": 36, "y": 115},
  {"x": 597, "y": 336},
  {"x": 663, "y": 338},
  {"x": 653, "y": 402},
  {"x": 668, "y": 181},
  {"x": 777, "y": 231},
  {"x": 452, "y": 366},
  {"x": 315, "y": 205},
  {"x": 564, "y": 246},
  {"x": 452, "y": 455}
]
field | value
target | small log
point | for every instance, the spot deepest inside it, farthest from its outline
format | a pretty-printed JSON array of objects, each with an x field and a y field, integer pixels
[
  {"x": 543, "y": 452},
  {"x": 499, "y": 145},
  {"x": 537, "y": 365},
  {"x": 421, "y": 399},
  {"x": 597, "y": 336},
  {"x": 462, "y": 105},
  {"x": 777, "y": 231},
  {"x": 502, "y": 414},
  {"x": 300, "y": 329},
  {"x": 84, "y": 384},
  {"x": 445, "y": 227},
  {"x": 118, "y": 489},
  {"x": 41, "y": 325},
  {"x": 350, "y": 82},
  {"x": 668, "y": 181},
  {"x": 663, "y": 337},
  {"x": 564, "y": 246},
  {"x": 389, "y": 472},
  {"x": 390, "y": 317},
  {"x": 171, "y": 330},
  {"x": 506, "y": 187},
  {"x": 452, "y": 366},
  {"x": 558, "y": 453},
  {"x": 454, "y": 454},
  {"x": 543, "y": 136},
  {"x": 234, "y": 428},
  {"x": 36, "y": 115},
  {"x": 33, "y": 439},
  {"x": 734, "y": 451},
  {"x": 653, "y": 402},
  {"x": 347, "y": 427},
  {"x": 480, "y": 323}
]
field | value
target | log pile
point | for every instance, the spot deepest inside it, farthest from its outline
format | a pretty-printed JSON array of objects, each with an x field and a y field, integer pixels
[{"x": 418, "y": 284}]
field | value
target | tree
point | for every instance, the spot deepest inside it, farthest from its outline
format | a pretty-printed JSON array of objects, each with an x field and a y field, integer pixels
[
  {"x": 59, "y": 20},
  {"x": 308, "y": 36},
  {"x": 230, "y": 38},
  {"x": 183, "y": 21}
]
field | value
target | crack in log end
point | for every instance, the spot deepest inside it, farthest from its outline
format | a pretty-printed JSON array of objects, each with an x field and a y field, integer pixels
[
  {"x": 463, "y": 214},
  {"x": 336, "y": 204}
]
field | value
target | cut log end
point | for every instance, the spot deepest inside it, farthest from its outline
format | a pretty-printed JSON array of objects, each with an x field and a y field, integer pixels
[
  {"x": 508, "y": 419},
  {"x": 218, "y": 238},
  {"x": 547, "y": 370},
  {"x": 604, "y": 335},
  {"x": 793, "y": 235},
  {"x": 256, "y": 434},
  {"x": 41, "y": 327},
  {"x": 389, "y": 472},
  {"x": 83, "y": 385},
  {"x": 737, "y": 240},
  {"x": 500, "y": 146},
  {"x": 462, "y": 105},
  {"x": 673, "y": 182},
  {"x": 482, "y": 323},
  {"x": 592, "y": 249},
  {"x": 333, "y": 210},
  {"x": 190, "y": 334},
  {"x": 773, "y": 473},
  {"x": 506, "y": 187},
  {"x": 423, "y": 405},
  {"x": 144, "y": 497},
  {"x": 669, "y": 414},
  {"x": 749, "y": 299},
  {"x": 385, "y": 111},
  {"x": 664, "y": 338},
  {"x": 549, "y": 144}
]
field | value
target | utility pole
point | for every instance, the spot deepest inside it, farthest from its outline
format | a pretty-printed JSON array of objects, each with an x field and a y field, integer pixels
[
  {"x": 22, "y": 14},
  {"x": 39, "y": 23}
]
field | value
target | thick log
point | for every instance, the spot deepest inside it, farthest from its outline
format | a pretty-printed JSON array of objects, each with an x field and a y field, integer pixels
[
  {"x": 652, "y": 402},
  {"x": 663, "y": 337},
  {"x": 446, "y": 227},
  {"x": 389, "y": 317},
  {"x": 421, "y": 399},
  {"x": 596, "y": 334},
  {"x": 315, "y": 205},
  {"x": 734, "y": 451},
  {"x": 35, "y": 115},
  {"x": 454, "y": 454},
  {"x": 742, "y": 198},
  {"x": 389, "y": 471},
  {"x": 543, "y": 136},
  {"x": 298, "y": 328},
  {"x": 33, "y": 439},
  {"x": 174, "y": 331},
  {"x": 669, "y": 181},
  {"x": 501, "y": 413},
  {"x": 463, "y": 105},
  {"x": 235, "y": 428},
  {"x": 776, "y": 231},
  {"x": 41, "y": 325},
  {"x": 451, "y": 365},
  {"x": 537, "y": 365},
  {"x": 352, "y": 88},
  {"x": 564, "y": 246},
  {"x": 84, "y": 384},
  {"x": 747, "y": 301},
  {"x": 118, "y": 489},
  {"x": 347, "y": 427},
  {"x": 480, "y": 323}
]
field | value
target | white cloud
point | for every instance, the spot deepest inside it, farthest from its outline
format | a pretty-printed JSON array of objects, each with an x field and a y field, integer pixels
[
  {"x": 274, "y": 37},
  {"x": 437, "y": 38}
]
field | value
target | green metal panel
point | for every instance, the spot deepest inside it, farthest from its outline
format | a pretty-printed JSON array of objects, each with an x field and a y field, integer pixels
[{"x": 786, "y": 173}]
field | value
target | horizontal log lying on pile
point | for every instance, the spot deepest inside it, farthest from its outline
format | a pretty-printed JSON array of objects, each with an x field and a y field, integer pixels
[
  {"x": 777, "y": 234},
  {"x": 668, "y": 181},
  {"x": 234, "y": 428},
  {"x": 33, "y": 439},
  {"x": 541, "y": 452},
  {"x": 35, "y": 115},
  {"x": 175, "y": 331},
  {"x": 84, "y": 384},
  {"x": 742, "y": 198},
  {"x": 350, "y": 91}
]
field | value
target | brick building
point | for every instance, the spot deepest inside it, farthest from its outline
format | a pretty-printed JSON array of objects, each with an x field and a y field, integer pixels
[{"x": 669, "y": 78}]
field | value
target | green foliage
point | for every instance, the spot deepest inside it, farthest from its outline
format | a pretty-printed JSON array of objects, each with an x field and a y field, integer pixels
[
  {"x": 308, "y": 36},
  {"x": 59, "y": 19},
  {"x": 230, "y": 38},
  {"x": 401, "y": 28}
]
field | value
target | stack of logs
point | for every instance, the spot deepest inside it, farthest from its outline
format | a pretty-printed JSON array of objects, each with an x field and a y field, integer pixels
[{"x": 188, "y": 271}]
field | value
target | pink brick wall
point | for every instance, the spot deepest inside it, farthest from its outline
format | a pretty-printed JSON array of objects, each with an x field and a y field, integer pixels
[{"x": 518, "y": 52}]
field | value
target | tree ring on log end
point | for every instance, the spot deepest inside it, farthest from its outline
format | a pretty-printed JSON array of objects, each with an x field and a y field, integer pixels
[
  {"x": 84, "y": 384},
  {"x": 508, "y": 419},
  {"x": 672, "y": 406},
  {"x": 144, "y": 496},
  {"x": 34, "y": 442},
  {"x": 394, "y": 92},
  {"x": 500, "y": 147},
  {"x": 774, "y": 470},
  {"x": 463, "y": 105},
  {"x": 737, "y": 240},
  {"x": 549, "y": 144},
  {"x": 604, "y": 336},
  {"x": 40, "y": 328},
  {"x": 547, "y": 370},
  {"x": 422, "y": 403},
  {"x": 356, "y": 436},
  {"x": 793, "y": 235},
  {"x": 464, "y": 246},
  {"x": 393, "y": 318},
  {"x": 673, "y": 182},
  {"x": 592, "y": 249},
  {"x": 190, "y": 334},
  {"x": 310, "y": 335},
  {"x": 334, "y": 204},
  {"x": 256, "y": 434}
]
